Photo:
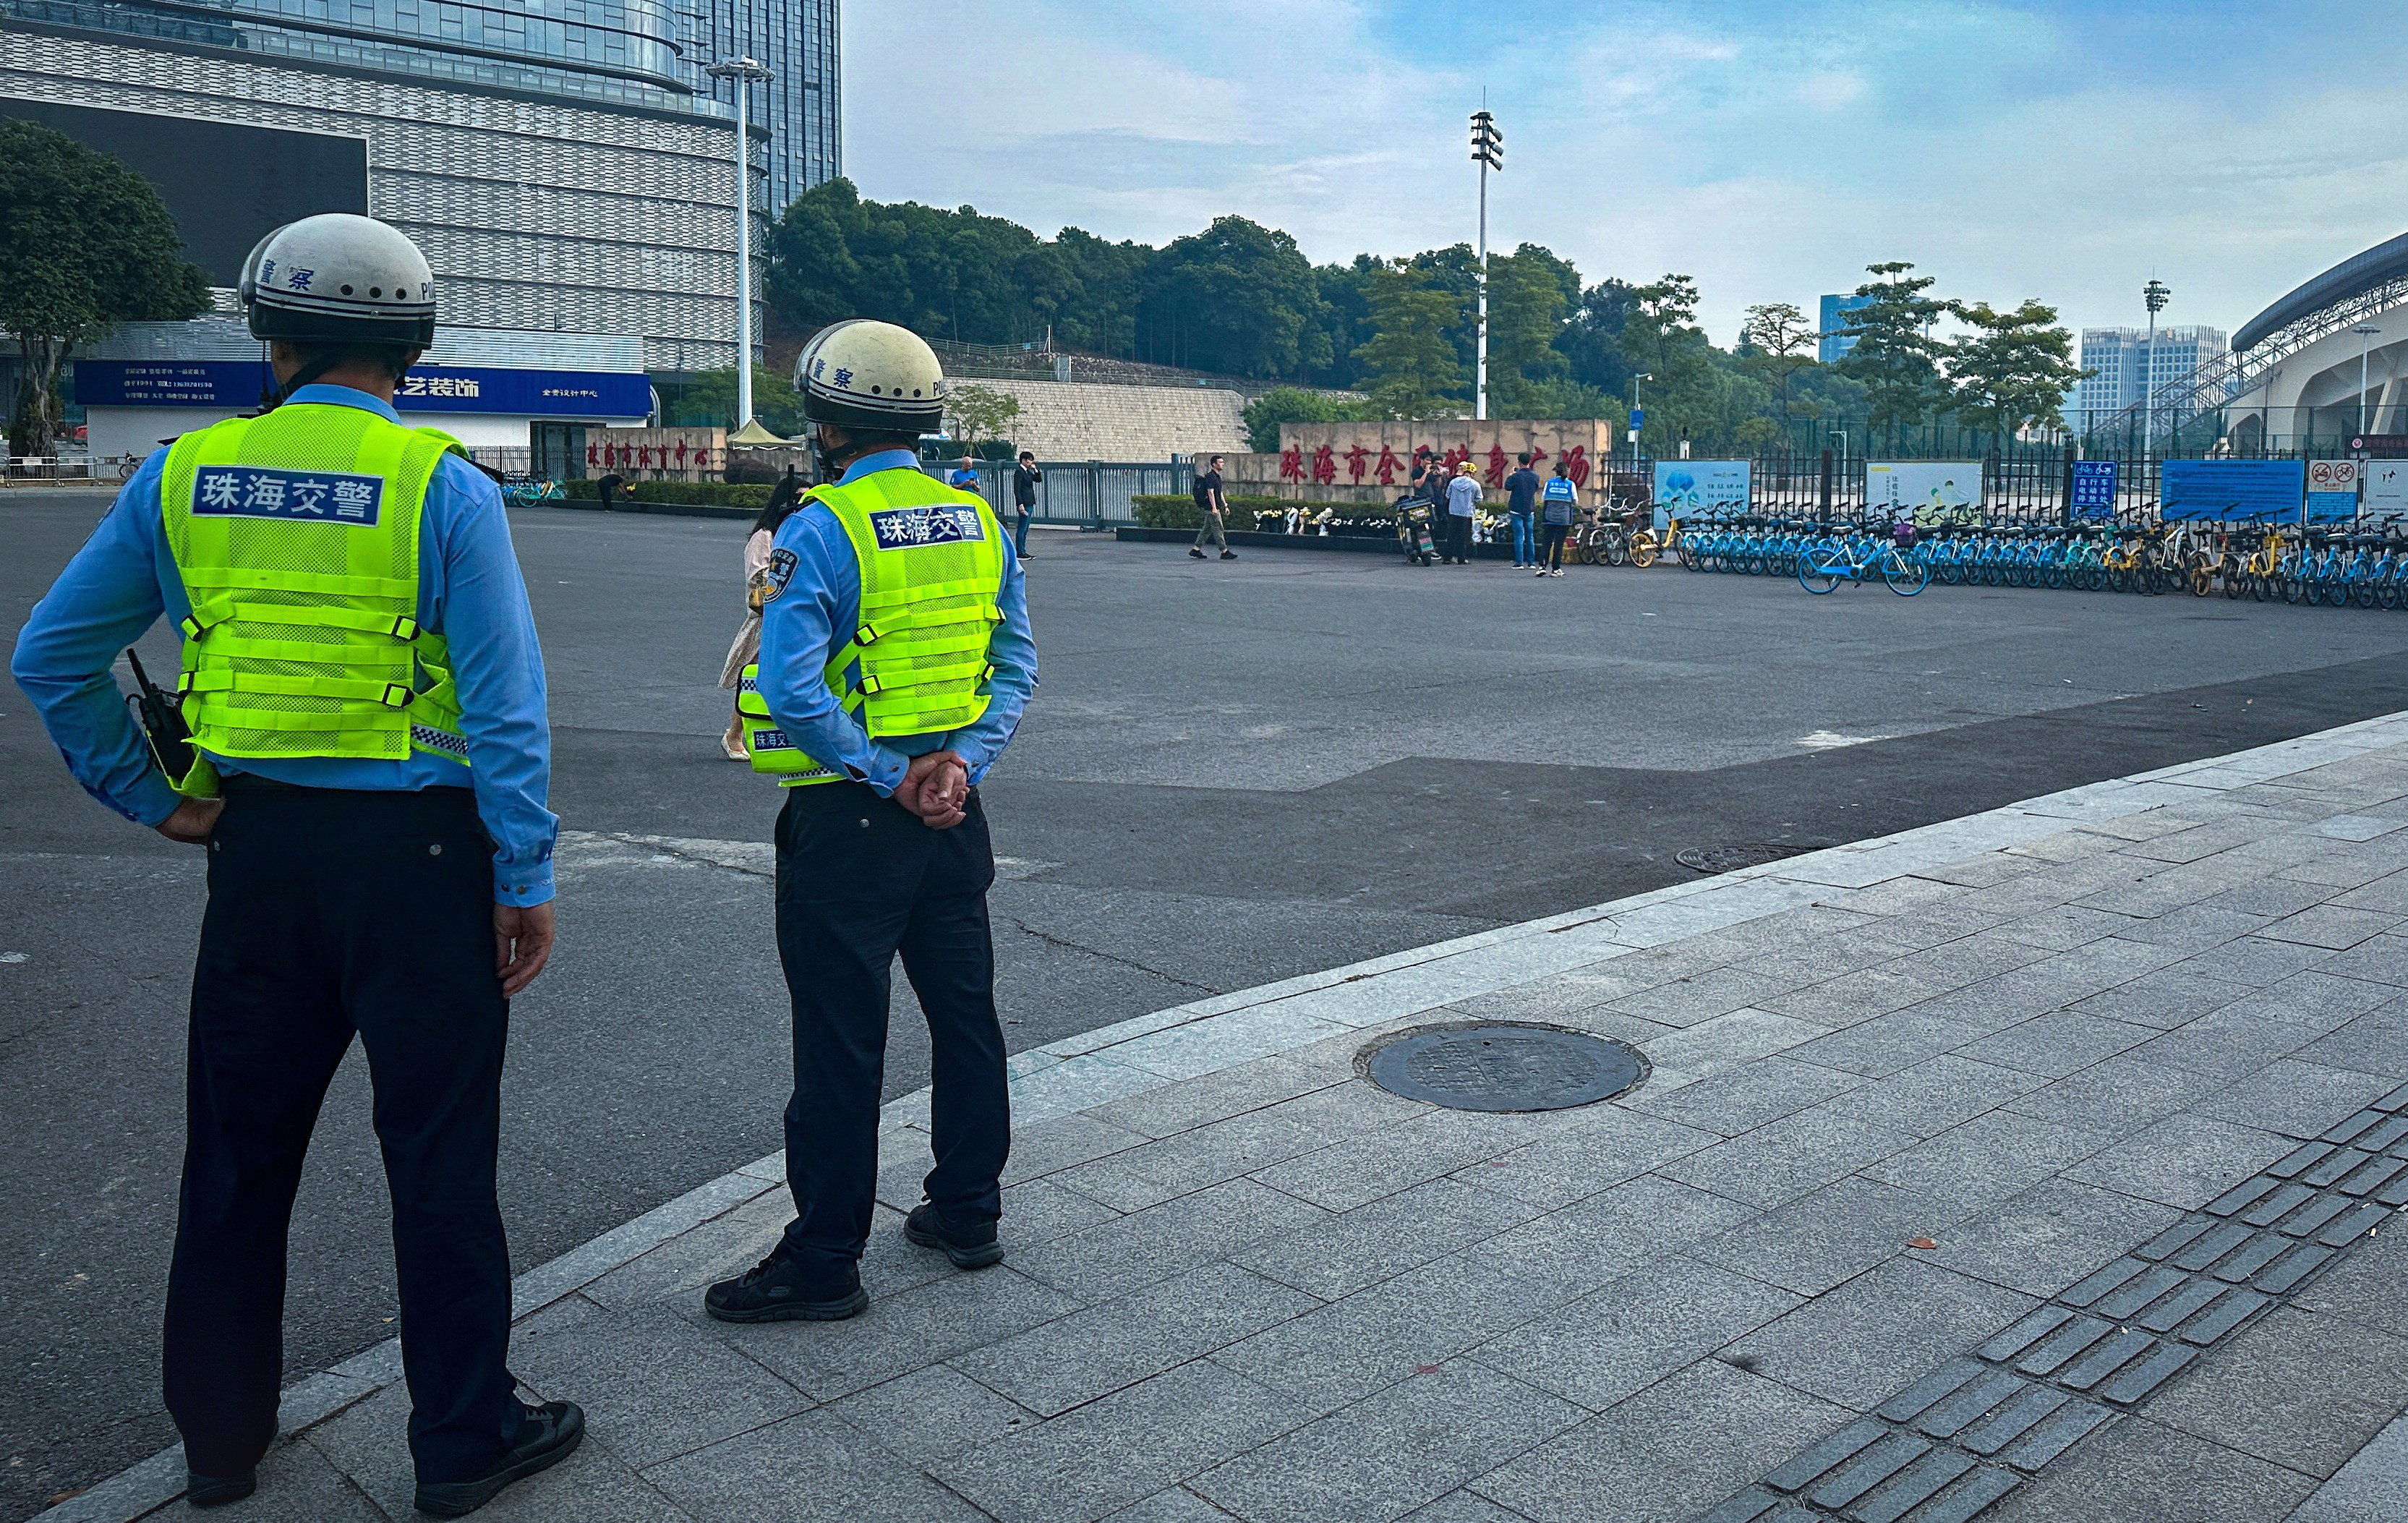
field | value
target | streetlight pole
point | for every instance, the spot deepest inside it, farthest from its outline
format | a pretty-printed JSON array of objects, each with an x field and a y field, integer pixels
[
  {"x": 1488, "y": 150},
  {"x": 2366, "y": 333},
  {"x": 2154, "y": 294},
  {"x": 744, "y": 72}
]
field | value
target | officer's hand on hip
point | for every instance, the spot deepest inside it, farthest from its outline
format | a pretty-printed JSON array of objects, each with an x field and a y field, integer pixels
[
  {"x": 193, "y": 820},
  {"x": 522, "y": 944}
]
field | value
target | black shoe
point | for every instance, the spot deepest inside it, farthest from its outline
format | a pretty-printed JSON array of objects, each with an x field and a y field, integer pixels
[
  {"x": 969, "y": 1248},
  {"x": 549, "y": 1434},
  {"x": 1228, "y": 554},
  {"x": 217, "y": 1491},
  {"x": 778, "y": 1289},
  {"x": 1193, "y": 551}
]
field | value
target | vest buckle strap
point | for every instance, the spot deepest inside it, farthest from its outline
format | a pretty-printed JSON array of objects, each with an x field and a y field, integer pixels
[
  {"x": 397, "y": 696},
  {"x": 403, "y": 628},
  {"x": 869, "y": 685},
  {"x": 867, "y": 635},
  {"x": 192, "y": 627}
]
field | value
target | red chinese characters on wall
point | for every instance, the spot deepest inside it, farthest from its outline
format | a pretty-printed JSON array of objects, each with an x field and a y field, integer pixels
[
  {"x": 1576, "y": 464},
  {"x": 1291, "y": 463},
  {"x": 1325, "y": 465},
  {"x": 1354, "y": 458},
  {"x": 1496, "y": 464},
  {"x": 1388, "y": 467}
]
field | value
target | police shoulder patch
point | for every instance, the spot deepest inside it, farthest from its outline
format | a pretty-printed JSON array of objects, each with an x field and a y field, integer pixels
[{"x": 775, "y": 575}]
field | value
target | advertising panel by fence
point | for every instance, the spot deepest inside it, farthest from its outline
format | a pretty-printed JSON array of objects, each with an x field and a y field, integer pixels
[
  {"x": 2232, "y": 490},
  {"x": 1931, "y": 492},
  {"x": 1691, "y": 488},
  {"x": 2386, "y": 488}
]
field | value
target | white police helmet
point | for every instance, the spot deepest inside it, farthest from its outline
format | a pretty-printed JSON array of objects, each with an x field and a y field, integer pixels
[
  {"x": 872, "y": 376},
  {"x": 339, "y": 276}
]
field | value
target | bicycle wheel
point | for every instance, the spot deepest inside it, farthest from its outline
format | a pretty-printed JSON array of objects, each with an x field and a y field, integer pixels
[
  {"x": 1820, "y": 570},
  {"x": 1904, "y": 575},
  {"x": 1643, "y": 550}
]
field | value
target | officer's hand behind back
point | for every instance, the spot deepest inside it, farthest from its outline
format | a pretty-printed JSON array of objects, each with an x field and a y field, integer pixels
[{"x": 522, "y": 944}]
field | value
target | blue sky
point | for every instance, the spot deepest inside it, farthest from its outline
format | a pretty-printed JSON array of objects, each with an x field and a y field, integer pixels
[{"x": 2061, "y": 151}]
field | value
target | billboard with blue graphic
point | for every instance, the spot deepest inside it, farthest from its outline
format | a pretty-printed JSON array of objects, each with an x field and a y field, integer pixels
[{"x": 1687, "y": 489}]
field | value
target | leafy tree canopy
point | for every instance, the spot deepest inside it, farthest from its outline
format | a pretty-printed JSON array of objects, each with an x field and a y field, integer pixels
[{"x": 85, "y": 244}]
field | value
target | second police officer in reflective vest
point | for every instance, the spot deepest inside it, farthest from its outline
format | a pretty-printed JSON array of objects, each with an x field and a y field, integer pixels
[{"x": 896, "y": 659}]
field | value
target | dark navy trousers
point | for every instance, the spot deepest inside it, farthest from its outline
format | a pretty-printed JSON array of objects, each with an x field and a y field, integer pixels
[
  {"x": 334, "y": 912},
  {"x": 861, "y": 880}
]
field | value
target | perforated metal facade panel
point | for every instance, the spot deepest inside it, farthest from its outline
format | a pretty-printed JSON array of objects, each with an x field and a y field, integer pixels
[{"x": 536, "y": 214}]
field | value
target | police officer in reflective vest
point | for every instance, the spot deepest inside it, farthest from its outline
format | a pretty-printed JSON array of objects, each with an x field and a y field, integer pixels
[
  {"x": 368, "y": 771},
  {"x": 896, "y": 660}
]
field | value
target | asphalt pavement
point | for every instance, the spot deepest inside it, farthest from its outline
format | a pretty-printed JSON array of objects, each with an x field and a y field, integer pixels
[{"x": 1234, "y": 772}]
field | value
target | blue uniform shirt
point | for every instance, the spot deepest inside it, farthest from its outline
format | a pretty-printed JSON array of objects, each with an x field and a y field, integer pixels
[
  {"x": 468, "y": 590},
  {"x": 824, "y": 595}
]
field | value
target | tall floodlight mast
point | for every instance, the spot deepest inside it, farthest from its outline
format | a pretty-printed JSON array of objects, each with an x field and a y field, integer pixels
[{"x": 1488, "y": 152}]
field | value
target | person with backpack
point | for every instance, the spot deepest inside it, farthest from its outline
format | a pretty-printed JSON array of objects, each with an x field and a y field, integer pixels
[{"x": 1560, "y": 504}]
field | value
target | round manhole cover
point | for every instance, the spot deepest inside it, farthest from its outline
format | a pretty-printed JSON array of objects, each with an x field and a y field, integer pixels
[
  {"x": 1732, "y": 859},
  {"x": 1503, "y": 1067}
]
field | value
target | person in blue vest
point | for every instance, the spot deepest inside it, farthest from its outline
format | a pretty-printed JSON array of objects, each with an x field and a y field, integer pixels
[
  {"x": 1560, "y": 505},
  {"x": 896, "y": 660},
  {"x": 367, "y": 769}
]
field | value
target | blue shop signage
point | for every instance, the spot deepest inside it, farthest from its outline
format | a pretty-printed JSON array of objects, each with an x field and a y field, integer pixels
[{"x": 428, "y": 388}]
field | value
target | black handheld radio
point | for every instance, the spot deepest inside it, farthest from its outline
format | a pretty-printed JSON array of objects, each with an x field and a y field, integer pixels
[{"x": 162, "y": 725}]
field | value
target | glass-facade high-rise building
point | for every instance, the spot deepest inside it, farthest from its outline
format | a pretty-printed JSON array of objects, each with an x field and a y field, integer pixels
[
  {"x": 797, "y": 40},
  {"x": 2128, "y": 366},
  {"x": 565, "y": 164}
]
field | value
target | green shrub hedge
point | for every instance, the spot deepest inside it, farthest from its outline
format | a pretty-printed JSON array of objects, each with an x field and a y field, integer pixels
[{"x": 753, "y": 495}]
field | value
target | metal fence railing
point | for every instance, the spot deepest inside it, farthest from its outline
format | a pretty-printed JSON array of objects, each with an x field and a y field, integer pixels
[{"x": 1091, "y": 494}]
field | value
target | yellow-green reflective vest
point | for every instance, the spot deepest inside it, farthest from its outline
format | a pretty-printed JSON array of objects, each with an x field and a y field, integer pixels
[
  {"x": 931, "y": 575},
  {"x": 297, "y": 537}
]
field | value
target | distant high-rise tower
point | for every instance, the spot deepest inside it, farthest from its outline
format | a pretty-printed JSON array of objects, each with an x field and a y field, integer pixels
[
  {"x": 798, "y": 40},
  {"x": 2128, "y": 370},
  {"x": 1832, "y": 318}
]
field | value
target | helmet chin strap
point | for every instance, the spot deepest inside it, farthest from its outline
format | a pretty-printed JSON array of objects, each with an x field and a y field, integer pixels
[{"x": 270, "y": 400}]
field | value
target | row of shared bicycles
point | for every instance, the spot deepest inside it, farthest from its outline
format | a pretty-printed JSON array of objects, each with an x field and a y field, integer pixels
[{"x": 2362, "y": 565}]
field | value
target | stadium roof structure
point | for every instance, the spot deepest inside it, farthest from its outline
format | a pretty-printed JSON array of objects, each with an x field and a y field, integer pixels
[{"x": 2377, "y": 266}]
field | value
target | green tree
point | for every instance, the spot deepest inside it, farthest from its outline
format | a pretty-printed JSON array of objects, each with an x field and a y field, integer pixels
[
  {"x": 1238, "y": 298},
  {"x": 976, "y": 412},
  {"x": 2014, "y": 370},
  {"x": 1896, "y": 357},
  {"x": 1531, "y": 294},
  {"x": 1294, "y": 404},
  {"x": 708, "y": 401},
  {"x": 1774, "y": 343},
  {"x": 1409, "y": 365},
  {"x": 85, "y": 244}
]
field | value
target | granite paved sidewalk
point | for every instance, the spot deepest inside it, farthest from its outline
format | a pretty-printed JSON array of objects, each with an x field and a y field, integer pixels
[{"x": 2037, "y": 1166}]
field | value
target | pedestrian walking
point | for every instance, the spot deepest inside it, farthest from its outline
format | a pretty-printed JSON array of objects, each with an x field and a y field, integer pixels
[
  {"x": 1462, "y": 501},
  {"x": 896, "y": 659},
  {"x": 1023, "y": 499},
  {"x": 783, "y": 500},
  {"x": 1561, "y": 504},
  {"x": 1522, "y": 507},
  {"x": 367, "y": 765},
  {"x": 1211, "y": 507}
]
